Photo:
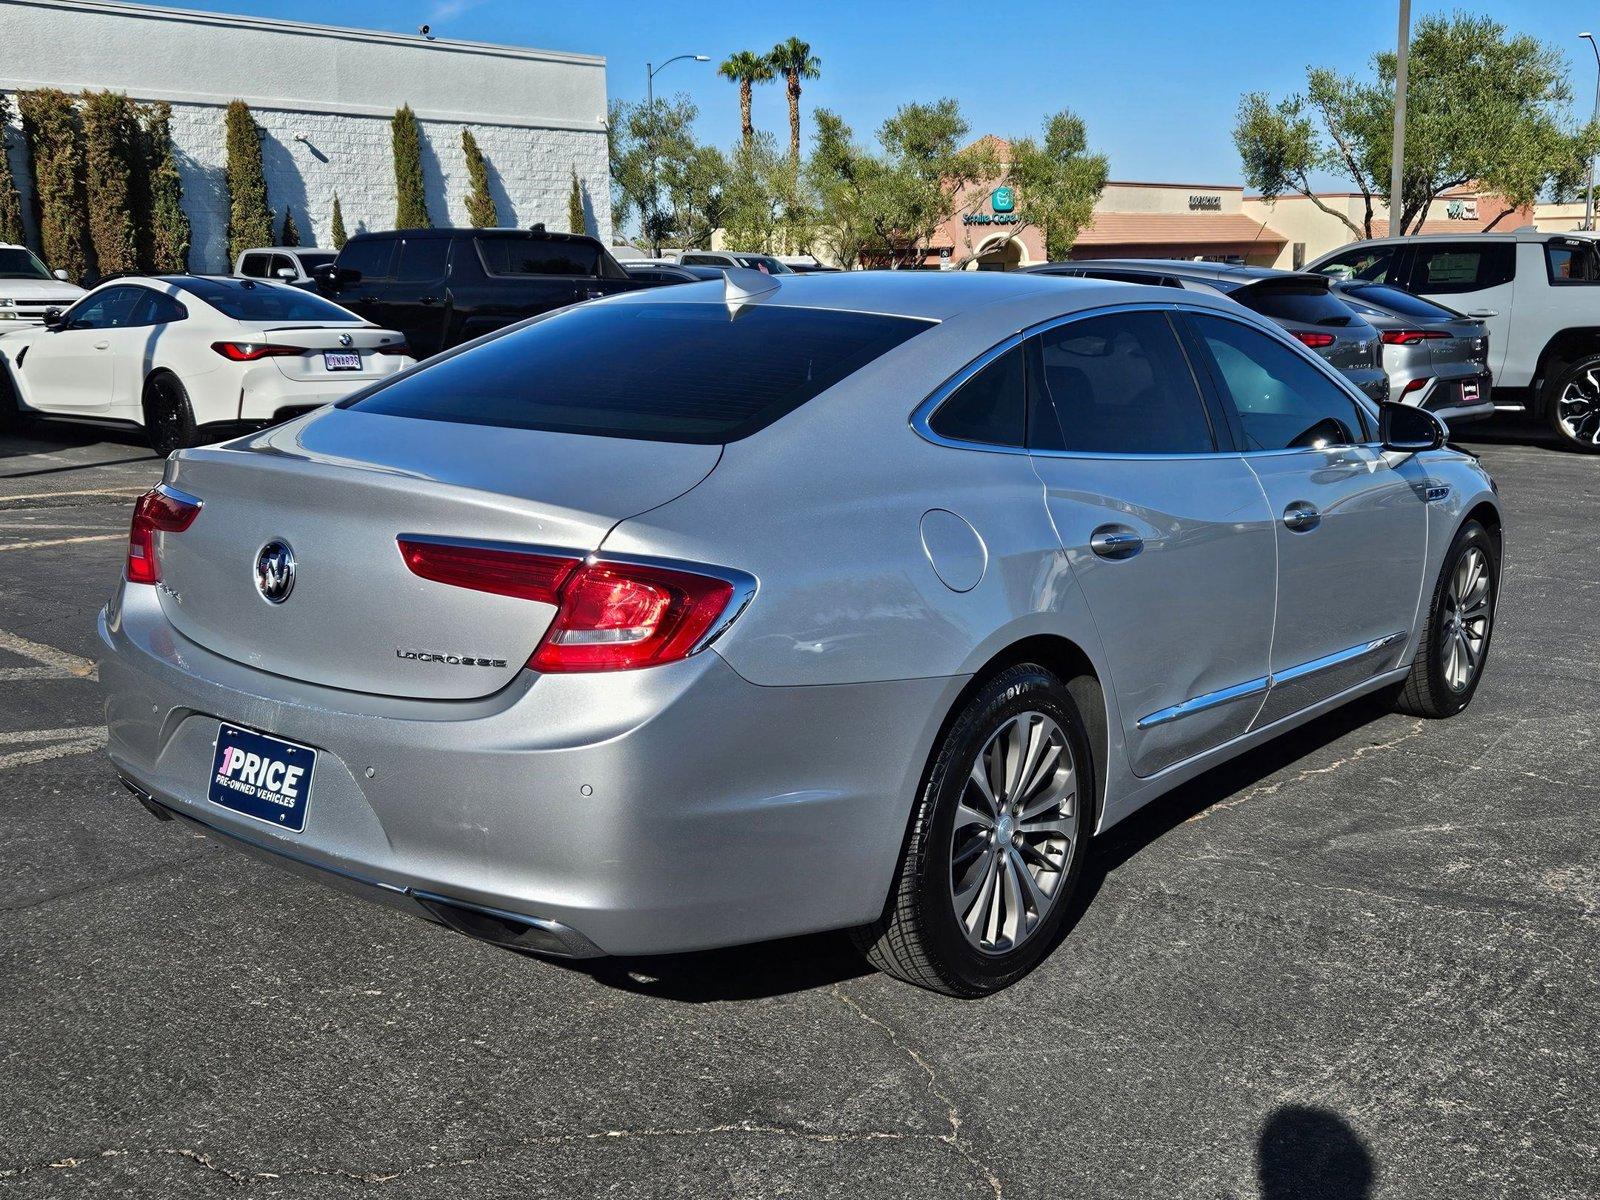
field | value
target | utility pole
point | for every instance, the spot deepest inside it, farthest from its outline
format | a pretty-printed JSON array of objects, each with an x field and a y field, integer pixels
[
  {"x": 1397, "y": 163},
  {"x": 1588, "y": 196}
]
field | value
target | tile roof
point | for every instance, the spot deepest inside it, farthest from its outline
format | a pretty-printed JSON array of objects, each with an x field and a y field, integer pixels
[{"x": 1188, "y": 229}]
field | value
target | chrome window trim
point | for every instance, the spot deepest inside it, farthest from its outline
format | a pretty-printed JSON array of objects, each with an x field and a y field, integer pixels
[
  {"x": 923, "y": 414},
  {"x": 1253, "y": 687}
]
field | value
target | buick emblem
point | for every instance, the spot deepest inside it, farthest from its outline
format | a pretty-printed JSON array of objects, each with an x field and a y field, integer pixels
[
  {"x": 345, "y": 339},
  {"x": 275, "y": 572}
]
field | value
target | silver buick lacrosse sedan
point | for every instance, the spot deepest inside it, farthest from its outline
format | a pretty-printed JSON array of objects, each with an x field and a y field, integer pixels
[{"x": 723, "y": 612}]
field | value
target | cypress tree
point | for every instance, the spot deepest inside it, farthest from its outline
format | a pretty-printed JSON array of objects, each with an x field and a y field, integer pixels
[
  {"x": 339, "y": 237},
  {"x": 55, "y": 147},
  {"x": 168, "y": 233},
  {"x": 10, "y": 197},
  {"x": 481, "y": 210},
  {"x": 411, "y": 202},
  {"x": 111, "y": 145},
  {"x": 290, "y": 234},
  {"x": 249, "y": 216},
  {"x": 576, "y": 223}
]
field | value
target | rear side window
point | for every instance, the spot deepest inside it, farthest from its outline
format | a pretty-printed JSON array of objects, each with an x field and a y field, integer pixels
[
  {"x": 1403, "y": 304},
  {"x": 989, "y": 407},
  {"x": 1303, "y": 306},
  {"x": 1462, "y": 266},
  {"x": 370, "y": 256},
  {"x": 422, "y": 259},
  {"x": 1283, "y": 401},
  {"x": 656, "y": 372},
  {"x": 537, "y": 256},
  {"x": 1368, "y": 263},
  {"x": 1117, "y": 384},
  {"x": 1572, "y": 262}
]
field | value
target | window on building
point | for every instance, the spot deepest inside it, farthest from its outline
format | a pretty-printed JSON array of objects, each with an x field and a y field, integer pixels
[{"x": 1117, "y": 384}]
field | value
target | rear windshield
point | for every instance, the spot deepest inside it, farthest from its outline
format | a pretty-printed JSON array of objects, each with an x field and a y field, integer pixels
[
  {"x": 1303, "y": 307},
  {"x": 1401, "y": 303},
  {"x": 246, "y": 300},
  {"x": 657, "y": 372}
]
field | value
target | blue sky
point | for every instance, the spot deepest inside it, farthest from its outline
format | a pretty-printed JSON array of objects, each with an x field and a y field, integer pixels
[{"x": 1157, "y": 82}]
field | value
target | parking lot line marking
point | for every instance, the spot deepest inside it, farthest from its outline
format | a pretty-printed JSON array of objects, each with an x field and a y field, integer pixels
[
  {"x": 127, "y": 490},
  {"x": 38, "y": 754},
  {"x": 72, "y": 541},
  {"x": 70, "y": 665},
  {"x": 50, "y": 735},
  {"x": 22, "y": 674}
]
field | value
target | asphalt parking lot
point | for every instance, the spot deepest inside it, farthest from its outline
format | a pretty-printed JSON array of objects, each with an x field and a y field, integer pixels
[{"x": 1360, "y": 962}]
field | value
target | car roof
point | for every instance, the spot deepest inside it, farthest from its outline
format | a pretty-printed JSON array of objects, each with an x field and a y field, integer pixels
[
  {"x": 1524, "y": 233},
  {"x": 289, "y": 250}
]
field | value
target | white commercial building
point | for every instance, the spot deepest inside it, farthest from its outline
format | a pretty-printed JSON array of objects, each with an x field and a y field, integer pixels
[{"x": 323, "y": 98}]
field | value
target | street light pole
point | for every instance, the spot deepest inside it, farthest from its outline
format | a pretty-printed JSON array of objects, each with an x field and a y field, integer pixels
[
  {"x": 1588, "y": 196},
  {"x": 650, "y": 73},
  {"x": 1397, "y": 162}
]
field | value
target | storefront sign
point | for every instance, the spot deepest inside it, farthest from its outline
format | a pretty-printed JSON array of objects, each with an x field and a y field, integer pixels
[
  {"x": 989, "y": 218},
  {"x": 1205, "y": 203},
  {"x": 1003, "y": 200},
  {"x": 1461, "y": 210}
]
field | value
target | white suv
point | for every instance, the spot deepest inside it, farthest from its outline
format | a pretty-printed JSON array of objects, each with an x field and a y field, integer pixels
[{"x": 28, "y": 289}]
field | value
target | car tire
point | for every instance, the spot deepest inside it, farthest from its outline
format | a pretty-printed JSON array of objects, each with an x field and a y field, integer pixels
[
  {"x": 14, "y": 419},
  {"x": 1572, "y": 404},
  {"x": 960, "y": 919},
  {"x": 168, "y": 415},
  {"x": 1460, "y": 623}
]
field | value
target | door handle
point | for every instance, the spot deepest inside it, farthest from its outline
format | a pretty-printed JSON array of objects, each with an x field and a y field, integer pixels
[
  {"x": 1302, "y": 517},
  {"x": 1115, "y": 542},
  {"x": 101, "y": 345},
  {"x": 428, "y": 300},
  {"x": 1484, "y": 312}
]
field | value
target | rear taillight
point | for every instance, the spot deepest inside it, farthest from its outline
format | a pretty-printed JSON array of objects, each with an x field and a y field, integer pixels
[
  {"x": 616, "y": 616},
  {"x": 251, "y": 351},
  {"x": 1317, "y": 341},
  {"x": 610, "y": 616},
  {"x": 164, "y": 510},
  {"x": 1410, "y": 337}
]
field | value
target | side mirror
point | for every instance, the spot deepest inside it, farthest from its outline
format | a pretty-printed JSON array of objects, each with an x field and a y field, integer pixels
[
  {"x": 61, "y": 275},
  {"x": 52, "y": 318},
  {"x": 286, "y": 273},
  {"x": 1409, "y": 430}
]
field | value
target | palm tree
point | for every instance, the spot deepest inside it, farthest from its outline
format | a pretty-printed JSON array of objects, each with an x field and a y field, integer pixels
[
  {"x": 746, "y": 68},
  {"x": 794, "y": 61}
]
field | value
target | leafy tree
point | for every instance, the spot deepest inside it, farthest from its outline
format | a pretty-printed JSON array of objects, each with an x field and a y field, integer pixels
[
  {"x": 10, "y": 197},
  {"x": 481, "y": 209},
  {"x": 884, "y": 207},
  {"x": 111, "y": 151},
  {"x": 747, "y": 68},
  {"x": 757, "y": 195},
  {"x": 1057, "y": 182},
  {"x": 576, "y": 223},
  {"x": 1482, "y": 106},
  {"x": 249, "y": 216},
  {"x": 339, "y": 237},
  {"x": 635, "y": 133},
  {"x": 411, "y": 201},
  {"x": 794, "y": 61},
  {"x": 54, "y": 139},
  {"x": 698, "y": 192},
  {"x": 289, "y": 233},
  {"x": 167, "y": 231}
]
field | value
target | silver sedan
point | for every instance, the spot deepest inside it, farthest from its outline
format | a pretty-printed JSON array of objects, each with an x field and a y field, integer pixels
[{"x": 741, "y": 609}]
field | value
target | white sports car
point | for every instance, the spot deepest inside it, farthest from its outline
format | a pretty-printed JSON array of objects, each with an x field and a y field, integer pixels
[{"x": 176, "y": 353}]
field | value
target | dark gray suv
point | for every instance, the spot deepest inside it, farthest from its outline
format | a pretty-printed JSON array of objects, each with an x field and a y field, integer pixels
[{"x": 1305, "y": 305}]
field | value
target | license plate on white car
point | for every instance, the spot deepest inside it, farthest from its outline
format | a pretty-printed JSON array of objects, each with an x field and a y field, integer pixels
[
  {"x": 262, "y": 777},
  {"x": 336, "y": 360}
]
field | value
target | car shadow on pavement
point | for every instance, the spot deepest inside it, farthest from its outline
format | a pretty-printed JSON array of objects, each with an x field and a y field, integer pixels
[{"x": 1310, "y": 1153}]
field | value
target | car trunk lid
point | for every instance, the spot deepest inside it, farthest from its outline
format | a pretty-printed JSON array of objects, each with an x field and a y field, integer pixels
[
  {"x": 1468, "y": 343},
  {"x": 329, "y": 353},
  {"x": 338, "y": 488}
]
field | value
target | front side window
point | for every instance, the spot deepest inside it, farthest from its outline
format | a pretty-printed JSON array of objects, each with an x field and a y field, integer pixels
[
  {"x": 112, "y": 308},
  {"x": 1451, "y": 267},
  {"x": 256, "y": 266},
  {"x": 422, "y": 259},
  {"x": 656, "y": 372},
  {"x": 370, "y": 256},
  {"x": 1116, "y": 384},
  {"x": 1370, "y": 263},
  {"x": 1283, "y": 401},
  {"x": 989, "y": 407}
]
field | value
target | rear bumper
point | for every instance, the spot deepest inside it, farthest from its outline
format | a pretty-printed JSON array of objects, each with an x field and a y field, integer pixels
[
  {"x": 1441, "y": 395},
  {"x": 265, "y": 391},
  {"x": 641, "y": 812}
]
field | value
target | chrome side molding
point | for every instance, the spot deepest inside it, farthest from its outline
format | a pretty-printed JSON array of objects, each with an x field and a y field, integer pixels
[{"x": 1254, "y": 687}]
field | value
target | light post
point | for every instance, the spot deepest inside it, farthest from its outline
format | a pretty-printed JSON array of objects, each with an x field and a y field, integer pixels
[
  {"x": 650, "y": 73},
  {"x": 1588, "y": 196},
  {"x": 1397, "y": 160}
]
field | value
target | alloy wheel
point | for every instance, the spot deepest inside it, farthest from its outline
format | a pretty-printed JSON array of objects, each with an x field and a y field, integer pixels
[
  {"x": 1578, "y": 409},
  {"x": 1465, "y": 629},
  {"x": 1013, "y": 836}
]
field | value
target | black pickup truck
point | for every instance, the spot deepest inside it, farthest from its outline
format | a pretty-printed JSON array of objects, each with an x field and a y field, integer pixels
[{"x": 442, "y": 287}]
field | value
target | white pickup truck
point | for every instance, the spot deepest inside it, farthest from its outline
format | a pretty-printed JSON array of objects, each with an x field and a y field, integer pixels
[
  {"x": 1539, "y": 295},
  {"x": 28, "y": 290}
]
